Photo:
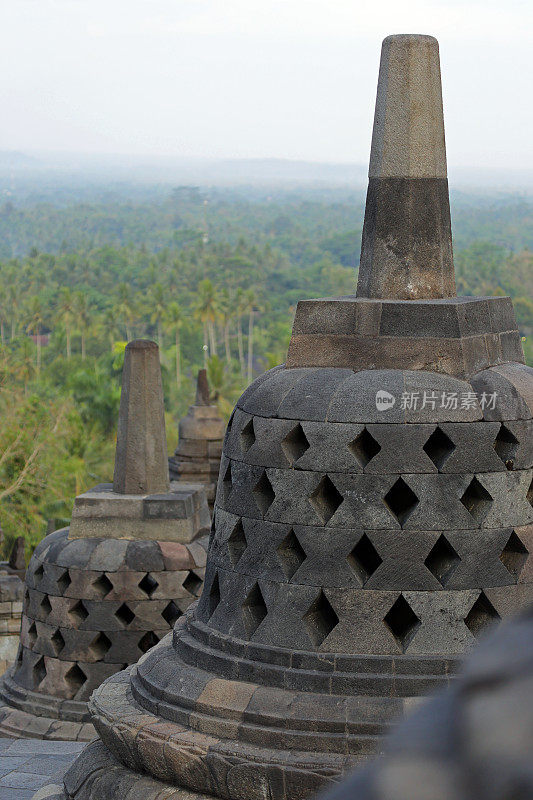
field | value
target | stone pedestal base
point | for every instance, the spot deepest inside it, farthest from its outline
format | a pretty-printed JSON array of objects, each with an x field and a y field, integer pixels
[
  {"x": 30, "y": 715},
  {"x": 97, "y": 775}
]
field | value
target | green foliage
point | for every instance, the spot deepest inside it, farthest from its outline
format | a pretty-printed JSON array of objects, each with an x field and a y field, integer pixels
[{"x": 215, "y": 283}]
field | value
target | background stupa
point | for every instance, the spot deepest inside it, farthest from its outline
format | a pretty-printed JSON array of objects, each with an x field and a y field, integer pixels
[
  {"x": 201, "y": 433},
  {"x": 105, "y": 590},
  {"x": 373, "y": 513}
]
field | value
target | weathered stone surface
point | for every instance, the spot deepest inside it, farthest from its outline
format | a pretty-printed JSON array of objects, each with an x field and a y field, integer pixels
[
  {"x": 473, "y": 741},
  {"x": 407, "y": 245},
  {"x": 175, "y": 515},
  {"x": 141, "y": 458}
]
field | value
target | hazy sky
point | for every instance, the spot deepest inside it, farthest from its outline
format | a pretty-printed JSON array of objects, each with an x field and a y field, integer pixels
[{"x": 255, "y": 78}]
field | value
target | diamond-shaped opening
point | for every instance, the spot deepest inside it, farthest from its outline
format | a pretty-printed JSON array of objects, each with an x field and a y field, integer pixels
[
  {"x": 148, "y": 641},
  {"x": 237, "y": 543},
  {"x": 514, "y": 555},
  {"x": 171, "y": 613},
  {"x": 38, "y": 574},
  {"x": 74, "y": 678},
  {"x": 124, "y": 614},
  {"x": 364, "y": 447},
  {"x": 32, "y": 634},
  {"x": 193, "y": 584},
  {"x": 263, "y": 493},
  {"x": 230, "y": 422},
  {"x": 326, "y": 499},
  {"x": 148, "y": 584},
  {"x": 476, "y": 500},
  {"x": 401, "y": 501},
  {"x": 213, "y": 598},
  {"x": 402, "y": 622},
  {"x": 78, "y": 613},
  {"x": 227, "y": 484},
  {"x": 39, "y": 672},
  {"x": 248, "y": 436},
  {"x": 212, "y": 530},
  {"x": 99, "y": 646},
  {"x": 364, "y": 559},
  {"x": 506, "y": 446},
  {"x": 481, "y": 616},
  {"x": 102, "y": 586},
  {"x": 320, "y": 619},
  {"x": 58, "y": 643},
  {"x": 254, "y": 610},
  {"x": 27, "y": 596},
  {"x": 64, "y": 581},
  {"x": 46, "y": 605},
  {"x": 295, "y": 444},
  {"x": 439, "y": 447},
  {"x": 529, "y": 495},
  {"x": 442, "y": 560},
  {"x": 291, "y": 554}
]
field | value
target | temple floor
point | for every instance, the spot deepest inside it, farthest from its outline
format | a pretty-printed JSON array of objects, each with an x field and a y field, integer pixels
[{"x": 27, "y": 765}]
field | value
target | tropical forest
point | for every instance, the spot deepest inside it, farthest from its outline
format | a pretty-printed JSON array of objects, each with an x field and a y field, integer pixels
[{"x": 212, "y": 274}]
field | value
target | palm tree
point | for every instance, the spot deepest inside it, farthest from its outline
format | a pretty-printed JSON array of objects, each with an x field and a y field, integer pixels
[
  {"x": 3, "y": 313},
  {"x": 207, "y": 311},
  {"x": 125, "y": 308},
  {"x": 158, "y": 305},
  {"x": 240, "y": 305},
  {"x": 109, "y": 323},
  {"x": 66, "y": 313},
  {"x": 14, "y": 305},
  {"x": 173, "y": 323},
  {"x": 226, "y": 315},
  {"x": 250, "y": 307},
  {"x": 35, "y": 311},
  {"x": 83, "y": 318}
]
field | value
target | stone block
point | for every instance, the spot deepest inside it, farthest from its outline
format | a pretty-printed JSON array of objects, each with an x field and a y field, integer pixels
[{"x": 269, "y": 394}]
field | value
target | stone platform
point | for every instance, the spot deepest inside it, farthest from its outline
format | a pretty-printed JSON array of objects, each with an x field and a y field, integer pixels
[{"x": 27, "y": 765}]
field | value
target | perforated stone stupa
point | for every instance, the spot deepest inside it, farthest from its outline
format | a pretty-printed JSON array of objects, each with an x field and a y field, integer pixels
[
  {"x": 373, "y": 513},
  {"x": 11, "y": 592},
  {"x": 100, "y": 594},
  {"x": 201, "y": 433}
]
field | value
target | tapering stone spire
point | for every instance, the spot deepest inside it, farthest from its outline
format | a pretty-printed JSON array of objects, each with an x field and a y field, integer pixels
[
  {"x": 407, "y": 244},
  {"x": 141, "y": 457},
  {"x": 202, "y": 388}
]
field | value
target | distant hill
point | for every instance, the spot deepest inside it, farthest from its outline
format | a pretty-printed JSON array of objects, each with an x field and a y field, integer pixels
[
  {"x": 12, "y": 159},
  {"x": 46, "y": 172}
]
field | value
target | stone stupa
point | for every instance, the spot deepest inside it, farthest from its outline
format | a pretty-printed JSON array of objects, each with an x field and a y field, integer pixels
[
  {"x": 101, "y": 593},
  {"x": 201, "y": 433},
  {"x": 11, "y": 593},
  {"x": 373, "y": 513}
]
